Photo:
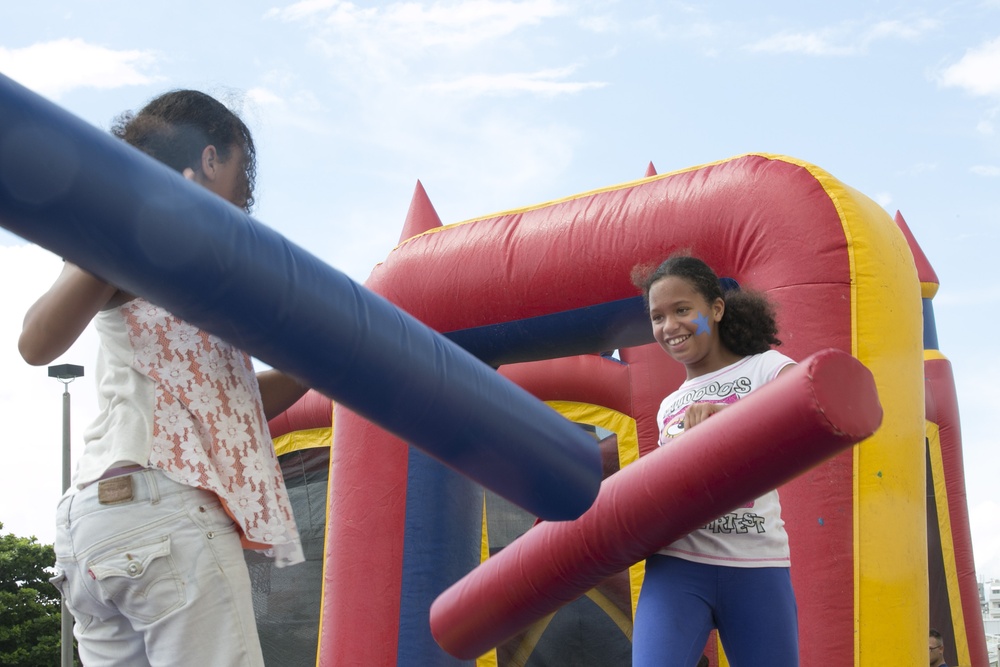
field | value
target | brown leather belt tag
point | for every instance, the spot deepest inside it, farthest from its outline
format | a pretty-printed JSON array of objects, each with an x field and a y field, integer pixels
[{"x": 114, "y": 490}]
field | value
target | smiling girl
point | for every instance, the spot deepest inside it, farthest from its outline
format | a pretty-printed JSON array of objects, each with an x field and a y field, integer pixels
[{"x": 732, "y": 574}]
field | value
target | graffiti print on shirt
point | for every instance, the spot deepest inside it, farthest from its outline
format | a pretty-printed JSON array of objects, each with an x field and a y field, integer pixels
[
  {"x": 714, "y": 392},
  {"x": 733, "y": 523},
  {"x": 673, "y": 424}
]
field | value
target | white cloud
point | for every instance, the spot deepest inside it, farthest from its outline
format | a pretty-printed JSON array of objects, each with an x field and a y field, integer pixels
[
  {"x": 299, "y": 109},
  {"x": 393, "y": 51},
  {"x": 56, "y": 67},
  {"x": 919, "y": 168},
  {"x": 599, "y": 24},
  {"x": 513, "y": 155},
  {"x": 544, "y": 82},
  {"x": 978, "y": 71},
  {"x": 985, "y": 170},
  {"x": 685, "y": 23},
  {"x": 898, "y": 29},
  {"x": 419, "y": 78},
  {"x": 846, "y": 39},
  {"x": 884, "y": 199},
  {"x": 813, "y": 44},
  {"x": 303, "y": 10},
  {"x": 453, "y": 25}
]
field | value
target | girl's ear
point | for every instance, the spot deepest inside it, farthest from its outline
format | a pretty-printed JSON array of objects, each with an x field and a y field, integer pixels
[
  {"x": 718, "y": 309},
  {"x": 209, "y": 162}
]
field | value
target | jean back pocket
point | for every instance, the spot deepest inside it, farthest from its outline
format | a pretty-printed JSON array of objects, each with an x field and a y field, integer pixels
[{"x": 141, "y": 580}]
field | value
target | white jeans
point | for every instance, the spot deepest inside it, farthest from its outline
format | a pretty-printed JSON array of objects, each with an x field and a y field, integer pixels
[{"x": 156, "y": 580}]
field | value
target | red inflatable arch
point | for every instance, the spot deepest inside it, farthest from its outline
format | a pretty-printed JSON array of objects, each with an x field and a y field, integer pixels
[{"x": 553, "y": 281}]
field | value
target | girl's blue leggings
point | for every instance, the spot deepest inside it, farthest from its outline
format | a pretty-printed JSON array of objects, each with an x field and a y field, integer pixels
[{"x": 681, "y": 601}]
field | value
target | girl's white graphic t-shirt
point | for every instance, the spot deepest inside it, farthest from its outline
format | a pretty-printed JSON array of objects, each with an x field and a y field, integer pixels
[{"x": 750, "y": 536}]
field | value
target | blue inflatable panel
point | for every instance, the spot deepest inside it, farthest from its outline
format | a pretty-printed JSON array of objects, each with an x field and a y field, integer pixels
[
  {"x": 442, "y": 510},
  {"x": 120, "y": 214},
  {"x": 930, "y": 326},
  {"x": 600, "y": 328}
]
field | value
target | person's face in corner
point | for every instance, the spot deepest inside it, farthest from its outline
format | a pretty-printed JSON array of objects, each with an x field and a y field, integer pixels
[{"x": 937, "y": 652}]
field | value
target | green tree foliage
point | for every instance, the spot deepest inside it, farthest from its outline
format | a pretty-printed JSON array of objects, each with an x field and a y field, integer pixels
[{"x": 30, "y": 607}]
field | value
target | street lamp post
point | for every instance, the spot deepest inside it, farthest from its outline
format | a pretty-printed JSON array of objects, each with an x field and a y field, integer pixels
[{"x": 66, "y": 373}]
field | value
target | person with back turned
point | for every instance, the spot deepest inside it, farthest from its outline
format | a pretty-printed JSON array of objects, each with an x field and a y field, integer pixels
[{"x": 179, "y": 473}]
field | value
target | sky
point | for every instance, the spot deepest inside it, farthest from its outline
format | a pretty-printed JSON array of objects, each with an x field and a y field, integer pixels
[{"x": 495, "y": 105}]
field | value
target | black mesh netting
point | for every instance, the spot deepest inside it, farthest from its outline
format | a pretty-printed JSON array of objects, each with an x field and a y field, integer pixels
[
  {"x": 287, "y": 600},
  {"x": 593, "y": 630}
]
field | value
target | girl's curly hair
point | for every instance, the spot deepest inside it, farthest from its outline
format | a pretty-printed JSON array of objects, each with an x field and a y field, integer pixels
[{"x": 176, "y": 127}]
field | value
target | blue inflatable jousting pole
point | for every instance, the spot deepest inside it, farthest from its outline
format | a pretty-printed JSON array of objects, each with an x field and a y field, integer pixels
[{"x": 101, "y": 204}]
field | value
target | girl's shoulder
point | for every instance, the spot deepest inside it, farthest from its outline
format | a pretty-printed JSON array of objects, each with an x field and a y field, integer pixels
[
  {"x": 767, "y": 363},
  {"x": 774, "y": 356},
  {"x": 763, "y": 361}
]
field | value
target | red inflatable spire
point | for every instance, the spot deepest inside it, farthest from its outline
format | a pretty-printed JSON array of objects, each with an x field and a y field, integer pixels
[
  {"x": 925, "y": 272},
  {"x": 421, "y": 216},
  {"x": 650, "y": 170}
]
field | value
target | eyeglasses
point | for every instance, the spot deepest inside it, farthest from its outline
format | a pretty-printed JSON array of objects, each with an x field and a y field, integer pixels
[{"x": 934, "y": 648}]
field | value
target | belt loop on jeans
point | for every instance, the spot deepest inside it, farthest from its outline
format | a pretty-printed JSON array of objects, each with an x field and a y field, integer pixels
[{"x": 154, "y": 489}]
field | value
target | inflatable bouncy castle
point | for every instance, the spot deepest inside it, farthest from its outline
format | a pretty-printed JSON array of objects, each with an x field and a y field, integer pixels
[
  {"x": 543, "y": 294},
  {"x": 436, "y": 367}
]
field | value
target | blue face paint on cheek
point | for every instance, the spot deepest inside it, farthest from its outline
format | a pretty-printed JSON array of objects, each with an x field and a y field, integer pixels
[{"x": 702, "y": 323}]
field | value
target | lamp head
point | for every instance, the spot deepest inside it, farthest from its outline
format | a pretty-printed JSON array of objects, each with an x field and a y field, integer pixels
[{"x": 65, "y": 372}]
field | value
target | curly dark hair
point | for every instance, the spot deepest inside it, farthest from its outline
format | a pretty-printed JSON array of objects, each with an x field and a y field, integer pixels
[
  {"x": 176, "y": 127},
  {"x": 748, "y": 323}
]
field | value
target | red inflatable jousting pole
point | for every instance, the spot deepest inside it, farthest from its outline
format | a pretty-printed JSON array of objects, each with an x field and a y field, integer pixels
[{"x": 808, "y": 414}]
